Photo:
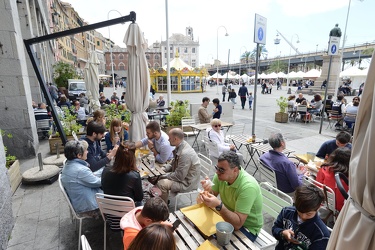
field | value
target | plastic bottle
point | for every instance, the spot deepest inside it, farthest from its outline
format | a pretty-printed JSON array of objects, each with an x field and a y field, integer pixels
[
  {"x": 152, "y": 161},
  {"x": 139, "y": 161},
  {"x": 118, "y": 138}
]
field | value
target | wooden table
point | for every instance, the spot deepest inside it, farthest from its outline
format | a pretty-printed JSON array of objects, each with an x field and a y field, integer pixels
[
  {"x": 260, "y": 149},
  {"x": 313, "y": 169},
  {"x": 153, "y": 115},
  {"x": 241, "y": 140},
  {"x": 152, "y": 172},
  {"x": 187, "y": 236},
  {"x": 203, "y": 126}
]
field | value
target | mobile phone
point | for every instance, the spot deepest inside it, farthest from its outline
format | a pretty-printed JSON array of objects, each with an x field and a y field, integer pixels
[
  {"x": 294, "y": 239},
  {"x": 176, "y": 224}
]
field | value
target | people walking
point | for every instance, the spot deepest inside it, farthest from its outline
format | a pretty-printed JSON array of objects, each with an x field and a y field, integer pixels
[
  {"x": 232, "y": 96},
  {"x": 250, "y": 99},
  {"x": 243, "y": 93},
  {"x": 224, "y": 90}
]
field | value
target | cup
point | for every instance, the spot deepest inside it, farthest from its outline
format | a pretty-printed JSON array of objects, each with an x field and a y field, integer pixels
[{"x": 224, "y": 232}]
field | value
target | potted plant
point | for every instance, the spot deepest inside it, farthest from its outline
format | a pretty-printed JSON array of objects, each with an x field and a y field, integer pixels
[
  {"x": 113, "y": 111},
  {"x": 69, "y": 124},
  {"x": 178, "y": 110},
  {"x": 282, "y": 115},
  {"x": 13, "y": 166}
]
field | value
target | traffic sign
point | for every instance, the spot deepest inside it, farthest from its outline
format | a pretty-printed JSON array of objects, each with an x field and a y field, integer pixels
[
  {"x": 334, "y": 43},
  {"x": 260, "y": 28}
]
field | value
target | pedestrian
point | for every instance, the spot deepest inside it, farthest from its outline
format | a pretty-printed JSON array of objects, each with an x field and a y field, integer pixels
[
  {"x": 243, "y": 93},
  {"x": 232, "y": 96},
  {"x": 218, "y": 108},
  {"x": 250, "y": 98},
  {"x": 230, "y": 87},
  {"x": 53, "y": 91},
  {"x": 224, "y": 90},
  {"x": 101, "y": 86},
  {"x": 270, "y": 88}
]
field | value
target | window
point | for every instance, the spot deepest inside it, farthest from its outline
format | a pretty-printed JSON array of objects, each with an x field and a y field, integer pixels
[
  {"x": 148, "y": 57},
  {"x": 98, "y": 43},
  {"x": 171, "y": 48},
  {"x": 170, "y": 55},
  {"x": 193, "y": 50},
  {"x": 193, "y": 63},
  {"x": 121, "y": 66},
  {"x": 156, "y": 57},
  {"x": 113, "y": 57},
  {"x": 121, "y": 56},
  {"x": 165, "y": 55},
  {"x": 185, "y": 50}
]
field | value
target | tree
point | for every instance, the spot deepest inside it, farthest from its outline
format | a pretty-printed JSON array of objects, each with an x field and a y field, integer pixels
[
  {"x": 63, "y": 72},
  {"x": 263, "y": 52},
  {"x": 277, "y": 66},
  {"x": 246, "y": 56}
]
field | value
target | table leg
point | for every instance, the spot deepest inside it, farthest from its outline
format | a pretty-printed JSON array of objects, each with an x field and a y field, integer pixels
[{"x": 196, "y": 139}]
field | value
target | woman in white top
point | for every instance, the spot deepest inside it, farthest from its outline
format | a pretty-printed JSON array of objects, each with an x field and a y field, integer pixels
[{"x": 215, "y": 134}]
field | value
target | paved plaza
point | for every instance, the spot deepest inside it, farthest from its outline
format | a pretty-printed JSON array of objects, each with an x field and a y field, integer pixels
[{"x": 42, "y": 216}]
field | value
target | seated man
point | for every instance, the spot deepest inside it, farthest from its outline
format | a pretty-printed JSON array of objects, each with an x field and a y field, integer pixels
[
  {"x": 80, "y": 112},
  {"x": 157, "y": 142},
  {"x": 300, "y": 227},
  {"x": 184, "y": 170},
  {"x": 285, "y": 169},
  {"x": 96, "y": 157},
  {"x": 80, "y": 183},
  {"x": 351, "y": 112},
  {"x": 154, "y": 210},
  {"x": 342, "y": 140},
  {"x": 41, "y": 113},
  {"x": 241, "y": 198}
]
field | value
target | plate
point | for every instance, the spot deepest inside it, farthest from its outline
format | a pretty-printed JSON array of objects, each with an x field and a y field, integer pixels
[
  {"x": 203, "y": 217},
  {"x": 207, "y": 245},
  {"x": 143, "y": 174}
]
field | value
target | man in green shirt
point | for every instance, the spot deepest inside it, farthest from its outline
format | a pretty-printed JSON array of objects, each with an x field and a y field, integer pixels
[{"x": 241, "y": 198}]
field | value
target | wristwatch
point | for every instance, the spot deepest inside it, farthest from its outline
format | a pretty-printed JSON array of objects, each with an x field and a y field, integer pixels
[{"x": 218, "y": 208}]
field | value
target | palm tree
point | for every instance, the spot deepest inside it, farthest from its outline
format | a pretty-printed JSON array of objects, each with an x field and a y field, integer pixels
[
  {"x": 263, "y": 52},
  {"x": 246, "y": 56}
]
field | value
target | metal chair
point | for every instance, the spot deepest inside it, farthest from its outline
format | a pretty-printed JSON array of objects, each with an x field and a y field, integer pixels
[
  {"x": 236, "y": 129},
  {"x": 267, "y": 174},
  {"x": 334, "y": 117},
  {"x": 291, "y": 112},
  {"x": 72, "y": 211},
  {"x": 113, "y": 205},
  {"x": 85, "y": 243},
  {"x": 206, "y": 164},
  {"x": 185, "y": 126},
  {"x": 302, "y": 113}
]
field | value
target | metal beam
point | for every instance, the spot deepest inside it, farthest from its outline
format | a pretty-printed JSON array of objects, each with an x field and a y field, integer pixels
[{"x": 29, "y": 42}]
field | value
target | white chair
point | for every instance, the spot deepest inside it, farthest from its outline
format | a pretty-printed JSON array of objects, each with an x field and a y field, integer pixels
[
  {"x": 206, "y": 164},
  {"x": 185, "y": 126},
  {"x": 267, "y": 174},
  {"x": 330, "y": 202},
  {"x": 212, "y": 148},
  {"x": 103, "y": 144},
  {"x": 236, "y": 129},
  {"x": 85, "y": 243},
  {"x": 196, "y": 118},
  {"x": 72, "y": 212},
  {"x": 113, "y": 205},
  {"x": 273, "y": 202},
  {"x": 303, "y": 109}
]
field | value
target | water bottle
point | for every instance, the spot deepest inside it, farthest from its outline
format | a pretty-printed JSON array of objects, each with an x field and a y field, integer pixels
[
  {"x": 118, "y": 138},
  {"x": 139, "y": 162},
  {"x": 152, "y": 162}
]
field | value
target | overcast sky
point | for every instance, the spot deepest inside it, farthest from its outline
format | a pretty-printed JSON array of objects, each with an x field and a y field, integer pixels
[{"x": 311, "y": 20}]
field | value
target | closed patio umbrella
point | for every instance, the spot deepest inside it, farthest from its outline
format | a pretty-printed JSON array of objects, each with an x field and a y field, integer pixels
[
  {"x": 92, "y": 81},
  {"x": 138, "y": 87},
  {"x": 355, "y": 226}
]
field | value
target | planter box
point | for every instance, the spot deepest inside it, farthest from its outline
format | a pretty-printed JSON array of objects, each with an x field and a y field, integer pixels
[
  {"x": 14, "y": 176},
  {"x": 281, "y": 117},
  {"x": 52, "y": 143},
  {"x": 166, "y": 129}
]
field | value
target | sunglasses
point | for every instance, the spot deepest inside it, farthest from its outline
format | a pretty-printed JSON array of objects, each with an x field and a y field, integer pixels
[
  {"x": 221, "y": 170},
  {"x": 219, "y": 125}
]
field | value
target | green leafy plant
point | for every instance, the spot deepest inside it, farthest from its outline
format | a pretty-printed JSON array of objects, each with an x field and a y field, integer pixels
[
  {"x": 112, "y": 111},
  {"x": 69, "y": 123},
  {"x": 9, "y": 159},
  {"x": 63, "y": 72},
  {"x": 282, "y": 102},
  {"x": 178, "y": 110}
]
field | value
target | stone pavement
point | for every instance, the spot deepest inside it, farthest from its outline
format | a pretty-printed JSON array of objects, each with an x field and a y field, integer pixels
[{"x": 42, "y": 217}]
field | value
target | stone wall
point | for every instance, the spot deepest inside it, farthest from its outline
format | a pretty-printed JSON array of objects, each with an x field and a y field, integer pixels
[{"x": 6, "y": 214}]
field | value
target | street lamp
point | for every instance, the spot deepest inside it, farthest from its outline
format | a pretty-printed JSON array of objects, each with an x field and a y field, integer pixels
[
  {"x": 240, "y": 60},
  {"x": 110, "y": 49},
  {"x": 217, "y": 56},
  {"x": 290, "y": 54}
]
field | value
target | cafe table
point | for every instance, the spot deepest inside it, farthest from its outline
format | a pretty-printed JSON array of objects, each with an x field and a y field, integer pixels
[
  {"x": 260, "y": 149},
  {"x": 146, "y": 170},
  {"x": 243, "y": 140},
  {"x": 198, "y": 128},
  {"x": 157, "y": 115},
  {"x": 312, "y": 166},
  {"x": 188, "y": 236}
]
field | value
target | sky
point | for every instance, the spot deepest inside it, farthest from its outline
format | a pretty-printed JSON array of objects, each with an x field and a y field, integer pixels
[{"x": 308, "y": 21}]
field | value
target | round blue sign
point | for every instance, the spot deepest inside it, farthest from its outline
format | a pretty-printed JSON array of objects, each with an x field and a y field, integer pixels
[
  {"x": 333, "y": 49},
  {"x": 260, "y": 34}
]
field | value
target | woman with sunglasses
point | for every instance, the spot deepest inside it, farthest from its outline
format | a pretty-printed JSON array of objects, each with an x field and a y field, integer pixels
[{"x": 215, "y": 134}]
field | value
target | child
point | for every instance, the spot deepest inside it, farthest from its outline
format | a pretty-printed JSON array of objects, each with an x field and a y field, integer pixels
[
  {"x": 250, "y": 98},
  {"x": 300, "y": 227}
]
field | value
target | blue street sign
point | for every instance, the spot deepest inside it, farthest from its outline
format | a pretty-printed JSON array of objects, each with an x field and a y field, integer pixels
[
  {"x": 333, "y": 49},
  {"x": 260, "y": 29},
  {"x": 260, "y": 34}
]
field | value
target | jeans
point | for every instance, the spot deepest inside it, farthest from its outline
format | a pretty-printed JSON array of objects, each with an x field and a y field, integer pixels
[
  {"x": 248, "y": 234},
  {"x": 243, "y": 100},
  {"x": 223, "y": 96}
]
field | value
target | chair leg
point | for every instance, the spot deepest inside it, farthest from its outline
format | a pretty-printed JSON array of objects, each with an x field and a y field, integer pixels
[
  {"x": 105, "y": 235},
  {"x": 79, "y": 235}
]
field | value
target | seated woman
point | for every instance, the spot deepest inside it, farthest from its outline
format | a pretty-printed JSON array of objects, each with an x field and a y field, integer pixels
[
  {"x": 98, "y": 116},
  {"x": 79, "y": 181},
  {"x": 63, "y": 102},
  {"x": 215, "y": 134},
  {"x": 291, "y": 106},
  {"x": 338, "y": 161},
  {"x": 122, "y": 178},
  {"x": 316, "y": 104},
  {"x": 117, "y": 133}
]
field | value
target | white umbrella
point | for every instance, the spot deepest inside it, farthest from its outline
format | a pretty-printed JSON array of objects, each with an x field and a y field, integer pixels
[
  {"x": 353, "y": 71},
  {"x": 355, "y": 226},
  {"x": 138, "y": 87},
  {"x": 216, "y": 75},
  {"x": 281, "y": 75},
  {"x": 92, "y": 81},
  {"x": 273, "y": 75},
  {"x": 313, "y": 73}
]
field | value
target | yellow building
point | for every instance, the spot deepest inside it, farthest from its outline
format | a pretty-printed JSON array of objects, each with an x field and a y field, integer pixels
[{"x": 184, "y": 78}]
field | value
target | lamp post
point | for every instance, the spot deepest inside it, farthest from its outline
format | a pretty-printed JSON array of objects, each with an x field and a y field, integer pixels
[
  {"x": 240, "y": 60},
  {"x": 217, "y": 56},
  {"x": 290, "y": 54},
  {"x": 110, "y": 49}
]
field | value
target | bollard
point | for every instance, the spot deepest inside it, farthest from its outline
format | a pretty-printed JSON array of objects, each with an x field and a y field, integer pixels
[
  {"x": 289, "y": 91},
  {"x": 57, "y": 150},
  {"x": 40, "y": 161}
]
